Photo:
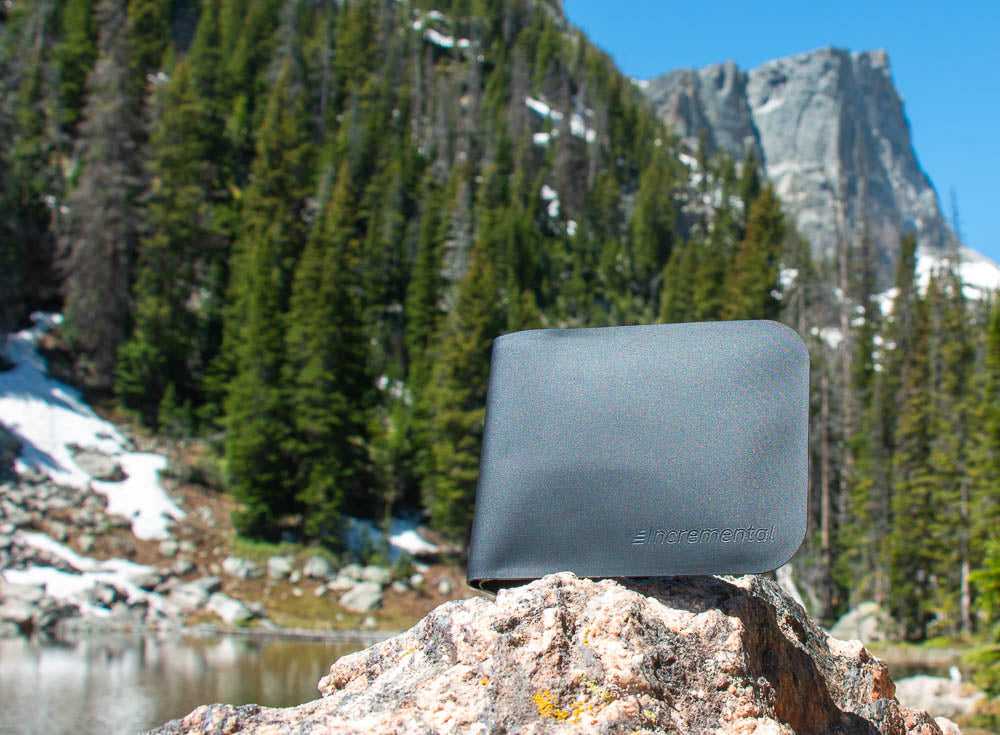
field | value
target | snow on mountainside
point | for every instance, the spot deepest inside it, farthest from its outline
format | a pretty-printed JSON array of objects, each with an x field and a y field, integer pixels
[
  {"x": 54, "y": 424},
  {"x": 979, "y": 274}
]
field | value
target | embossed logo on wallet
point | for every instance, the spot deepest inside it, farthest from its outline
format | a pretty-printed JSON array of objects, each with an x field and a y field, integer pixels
[{"x": 750, "y": 534}]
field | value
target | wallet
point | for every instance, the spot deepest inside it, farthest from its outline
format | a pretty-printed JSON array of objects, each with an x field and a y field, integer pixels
[{"x": 642, "y": 451}]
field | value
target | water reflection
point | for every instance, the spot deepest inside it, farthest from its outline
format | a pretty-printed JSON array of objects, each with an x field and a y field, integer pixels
[{"x": 123, "y": 684}]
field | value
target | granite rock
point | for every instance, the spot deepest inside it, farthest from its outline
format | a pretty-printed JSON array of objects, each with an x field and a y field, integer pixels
[{"x": 562, "y": 654}]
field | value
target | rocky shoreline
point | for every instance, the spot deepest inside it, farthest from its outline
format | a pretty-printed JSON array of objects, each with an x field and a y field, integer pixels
[{"x": 48, "y": 584}]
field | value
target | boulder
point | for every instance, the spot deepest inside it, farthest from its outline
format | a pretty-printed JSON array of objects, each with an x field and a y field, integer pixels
[
  {"x": 232, "y": 612},
  {"x": 98, "y": 465},
  {"x": 938, "y": 695},
  {"x": 279, "y": 567},
  {"x": 694, "y": 655},
  {"x": 362, "y": 597},
  {"x": 182, "y": 567},
  {"x": 209, "y": 584},
  {"x": 867, "y": 622},
  {"x": 189, "y": 597},
  {"x": 10, "y": 447},
  {"x": 376, "y": 574},
  {"x": 352, "y": 570},
  {"x": 341, "y": 583},
  {"x": 147, "y": 580},
  {"x": 318, "y": 567},
  {"x": 241, "y": 568}
]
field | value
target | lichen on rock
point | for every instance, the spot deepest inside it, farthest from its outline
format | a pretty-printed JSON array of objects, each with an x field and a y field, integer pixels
[{"x": 569, "y": 655}]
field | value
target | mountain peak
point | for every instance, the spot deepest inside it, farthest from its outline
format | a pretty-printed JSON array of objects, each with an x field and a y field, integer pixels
[{"x": 831, "y": 131}]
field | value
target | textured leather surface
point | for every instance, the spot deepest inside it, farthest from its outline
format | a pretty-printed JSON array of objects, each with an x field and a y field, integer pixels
[{"x": 643, "y": 451}]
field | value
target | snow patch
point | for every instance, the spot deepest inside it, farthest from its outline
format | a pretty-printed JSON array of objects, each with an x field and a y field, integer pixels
[
  {"x": 640, "y": 83},
  {"x": 831, "y": 335},
  {"x": 551, "y": 196},
  {"x": 538, "y": 106},
  {"x": 787, "y": 277},
  {"x": 770, "y": 106},
  {"x": 439, "y": 39},
  {"x": 73, "y": 587},
  {"x": 49, "y": 416},
  {"x": 403, "y": 537},
  {"x": 571, "y": 227},
  {"x": 687, "y": 159},
  {"x": 979, "y": 274},
  {"x": 541, "y": 138}
]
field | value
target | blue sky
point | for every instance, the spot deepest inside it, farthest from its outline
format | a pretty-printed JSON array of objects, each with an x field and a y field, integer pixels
[{"x": 944, "y": 57}]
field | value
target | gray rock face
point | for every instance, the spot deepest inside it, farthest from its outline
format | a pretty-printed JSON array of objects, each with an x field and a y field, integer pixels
[
  {"x": 713, "y": 100},
  {"x": 695, "y": 655},
  {"x": 834, "y": 139}
]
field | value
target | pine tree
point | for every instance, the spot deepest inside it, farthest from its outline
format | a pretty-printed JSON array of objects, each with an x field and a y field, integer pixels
[
  {"x": 257, "y": 416},
  {"x": 983, "y": 466},
  {"x": 327, "y": 371},
  {"x": 274, "y": 205},
  {"x": 677, "y": 298},
  {"x": 274, "y": 233},
  {"x": 461, "y": 372},
  {"x": 148, "y": 37},
  {"x": 164, "y": 348},
  {"x": 752, "y": 281},
  {"x": 953, "y": 354},
  {"x": 75, "y": 56},
  {"x": 911, "y": 566},
  {"x": 653, "y": 222}
]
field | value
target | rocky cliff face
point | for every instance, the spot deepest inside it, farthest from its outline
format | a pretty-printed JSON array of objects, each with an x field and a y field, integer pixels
[
  {"x": 832, "y": 134},
  {"x": 687, "y": 654}
]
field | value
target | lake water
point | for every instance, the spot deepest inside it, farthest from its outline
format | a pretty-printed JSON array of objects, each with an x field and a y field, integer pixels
[{"x": 125, "y": 684}]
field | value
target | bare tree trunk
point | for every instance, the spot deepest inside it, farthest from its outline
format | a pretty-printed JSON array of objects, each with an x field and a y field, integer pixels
[
  {"x": 966, "y": 592},
  {"x": 826, "y": 564}
]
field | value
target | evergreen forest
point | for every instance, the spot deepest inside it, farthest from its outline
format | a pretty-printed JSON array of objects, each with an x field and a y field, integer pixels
[{"x": 293, "y": 228}]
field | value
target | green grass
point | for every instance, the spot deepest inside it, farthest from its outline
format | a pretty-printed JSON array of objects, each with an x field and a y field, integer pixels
[{"x": 261, "y": 551}]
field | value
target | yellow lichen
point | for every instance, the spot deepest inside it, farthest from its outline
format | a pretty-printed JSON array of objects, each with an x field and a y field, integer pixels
[
  {"x": 484, "y": 681},
  {"x": 409, "y": 650},
  {"x": 605, "y": 694},
  {"x": 548, "y": 706},
  {"x": 579, "y": 707}
]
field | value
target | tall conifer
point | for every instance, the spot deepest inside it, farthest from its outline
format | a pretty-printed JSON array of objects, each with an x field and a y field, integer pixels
[{"x": 461, "y": 372}]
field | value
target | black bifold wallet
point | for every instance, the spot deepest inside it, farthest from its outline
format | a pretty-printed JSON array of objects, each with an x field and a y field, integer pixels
[{"x": 642, "y": 451}]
